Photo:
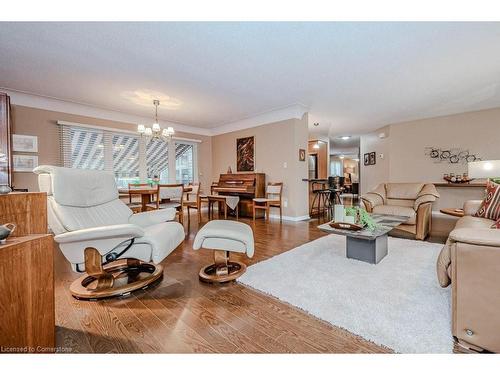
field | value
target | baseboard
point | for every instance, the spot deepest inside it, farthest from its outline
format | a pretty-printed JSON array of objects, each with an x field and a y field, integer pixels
[{"x": 291, "y": 218}]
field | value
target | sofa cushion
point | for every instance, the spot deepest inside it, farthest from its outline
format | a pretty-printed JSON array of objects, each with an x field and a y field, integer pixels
[
  {"x": 397, "y": 210},
  {"x": 401, "y": 202},
  {"x": 403, "y": 190},
  {"x": 473, "y": 222},
  {"x": 490, "y": 207}
]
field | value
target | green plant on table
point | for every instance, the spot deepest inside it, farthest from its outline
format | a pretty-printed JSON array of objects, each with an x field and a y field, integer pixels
[{"x": 364, "y": 217}]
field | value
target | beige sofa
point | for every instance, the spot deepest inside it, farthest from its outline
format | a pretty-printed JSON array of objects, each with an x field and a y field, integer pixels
[
  {"x": 470, "y": 261},
  {"x": 405, "y": 199}
]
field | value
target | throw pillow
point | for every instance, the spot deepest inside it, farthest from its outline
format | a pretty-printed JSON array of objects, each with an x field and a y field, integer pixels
[
  {"x": 496, "y": 225},
  {"x": 490, "y": 207}
]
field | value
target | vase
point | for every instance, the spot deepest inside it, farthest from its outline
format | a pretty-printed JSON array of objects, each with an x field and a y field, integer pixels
[{"x": 338, "y": 213}]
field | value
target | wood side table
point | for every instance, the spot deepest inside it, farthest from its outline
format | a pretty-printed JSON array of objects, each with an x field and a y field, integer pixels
[{"x": 457, "y": 212}]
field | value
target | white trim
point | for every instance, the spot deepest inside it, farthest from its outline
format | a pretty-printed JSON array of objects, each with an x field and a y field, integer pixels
[
  {"x": 28, "y": 99},
  {"x": 295, "y": 111},
  {"x": 191, "y": 140},
  {"x": 290, "y": 218},
  {"x": 117, "y": 130}
]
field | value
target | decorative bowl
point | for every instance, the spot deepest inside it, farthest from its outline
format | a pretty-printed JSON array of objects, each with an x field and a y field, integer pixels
[{"x": 345, "y": 226}]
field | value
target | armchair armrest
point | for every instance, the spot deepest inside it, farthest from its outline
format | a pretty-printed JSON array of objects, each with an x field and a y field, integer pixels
[
  {"x": 477, "y": 236},
  {"x": 372, "y": 200},
  {"x": 100, "y": 233},
  {"x": 148, "y": 218},
  {"x": 471, "y": 207},
  {"x": 428, "y": 194}
]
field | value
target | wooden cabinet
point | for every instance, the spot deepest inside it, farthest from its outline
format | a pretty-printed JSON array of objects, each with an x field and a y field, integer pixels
[
  {"x": 27, "y": 321},
  {"x": 27, "y": 316},
  {"x": 27, "y": 210},
  {"x": 5, "y": 141}
]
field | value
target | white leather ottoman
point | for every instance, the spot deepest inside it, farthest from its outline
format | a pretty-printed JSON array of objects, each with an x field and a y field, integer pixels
[{"x": 223, "y": 237}]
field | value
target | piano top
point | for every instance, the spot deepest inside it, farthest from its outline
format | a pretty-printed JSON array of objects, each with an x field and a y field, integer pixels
[{"x": 238, "y": 182}]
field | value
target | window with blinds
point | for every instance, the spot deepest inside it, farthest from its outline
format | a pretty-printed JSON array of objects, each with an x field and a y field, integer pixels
[
  {"x": 125, "y": 159},
  {"x": 82, "y": 148},
  {"x": 184, "y": 163},
  {"x": 131, "y": 158},
  {"x": 157, "y": 160},
  {"x": 88, "y": 148}
]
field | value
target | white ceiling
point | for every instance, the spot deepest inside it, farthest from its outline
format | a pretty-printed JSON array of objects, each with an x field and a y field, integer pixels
[{"x": 353, "y": 76}]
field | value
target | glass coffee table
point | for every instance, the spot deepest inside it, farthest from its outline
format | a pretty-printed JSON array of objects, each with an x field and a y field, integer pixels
[{"x": 367, "y": 245}]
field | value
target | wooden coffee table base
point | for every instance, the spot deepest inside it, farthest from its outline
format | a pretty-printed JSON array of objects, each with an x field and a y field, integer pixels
[{"x": 115, "y": 279}]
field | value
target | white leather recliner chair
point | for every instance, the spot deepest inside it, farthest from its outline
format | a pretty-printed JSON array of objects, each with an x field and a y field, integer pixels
[{"x": 84, "y": 211}]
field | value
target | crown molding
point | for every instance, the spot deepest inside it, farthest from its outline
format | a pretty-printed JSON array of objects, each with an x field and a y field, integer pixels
[
  {"x": 27, "y": 99},
  {"x": 295, "y": 111}
]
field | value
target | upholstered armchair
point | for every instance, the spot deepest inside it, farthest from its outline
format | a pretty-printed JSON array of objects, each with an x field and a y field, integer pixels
[
  {"x": 470, "y": 262},
  {"x": 84, "y": 211},
  {"x": 405, "y": 199}
]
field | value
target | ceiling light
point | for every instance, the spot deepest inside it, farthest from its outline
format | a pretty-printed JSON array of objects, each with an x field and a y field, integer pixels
[
  {"x": 143, "y": 97},
  {"x": 345, "y": 137},
  {"x": 341, "y": 156},
  {"x": 156, "y": 131}
]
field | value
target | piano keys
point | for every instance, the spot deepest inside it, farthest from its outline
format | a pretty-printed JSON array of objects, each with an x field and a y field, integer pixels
[{"x": 245, "y": 185}]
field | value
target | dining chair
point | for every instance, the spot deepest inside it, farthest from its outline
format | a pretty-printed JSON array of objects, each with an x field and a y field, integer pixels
[
  {"x": 193, "y": 200},
  {"x": 170, "y": 196},
  {"x": 274, "y": 191},
  {"x": 135, "y": 206}
]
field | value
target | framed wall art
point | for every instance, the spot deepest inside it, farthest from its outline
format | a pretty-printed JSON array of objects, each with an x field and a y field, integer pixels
[
  {"x": 24, "y": 143},
  {"x": 245, "y": 154},
  {"x": 366, "y": 159},
  {"x": 25, "y": 163},
  {"x": 302, "y": 154},
  {"x": 373, "y": 159}
]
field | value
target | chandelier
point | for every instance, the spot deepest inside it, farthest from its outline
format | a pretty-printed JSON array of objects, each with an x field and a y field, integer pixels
[{"x": 155, "y": 132}]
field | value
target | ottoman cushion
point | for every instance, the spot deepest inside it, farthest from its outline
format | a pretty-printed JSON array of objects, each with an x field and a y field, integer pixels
[{"x": 225, "y": 235}]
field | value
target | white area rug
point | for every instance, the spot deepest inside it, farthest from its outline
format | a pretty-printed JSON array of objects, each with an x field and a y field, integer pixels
[{"x": 397, "y": 303}]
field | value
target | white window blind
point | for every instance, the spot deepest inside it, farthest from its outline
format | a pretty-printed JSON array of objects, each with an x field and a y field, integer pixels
[
  {"x": 184, "y": 163},
  {"x": 157, "y": 160},
  {"x": 131, "y": 158},
  {"x": 88, "y": 148},
  {"x": 82, "y": 148},
  {"x": 125, "y": 159}
]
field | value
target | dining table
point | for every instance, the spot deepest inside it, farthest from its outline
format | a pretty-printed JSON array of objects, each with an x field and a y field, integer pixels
[{"x": 147, "y": 194}]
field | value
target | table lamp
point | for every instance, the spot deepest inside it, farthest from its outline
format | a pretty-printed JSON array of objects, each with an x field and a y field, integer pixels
[{"x": 489, "y": 169}]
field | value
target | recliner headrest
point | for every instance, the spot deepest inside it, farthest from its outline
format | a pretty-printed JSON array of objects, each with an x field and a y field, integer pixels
[{"x": 77, "y": 187}]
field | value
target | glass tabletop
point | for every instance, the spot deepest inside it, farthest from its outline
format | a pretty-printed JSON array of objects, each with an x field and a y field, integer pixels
[{"x": 385, "y": 223}]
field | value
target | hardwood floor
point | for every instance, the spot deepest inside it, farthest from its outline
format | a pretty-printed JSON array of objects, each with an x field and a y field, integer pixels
[{"x": 183, "y": 315}]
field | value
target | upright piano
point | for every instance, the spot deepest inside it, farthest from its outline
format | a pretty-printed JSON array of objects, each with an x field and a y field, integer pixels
[{"x": 245, "y": 185}]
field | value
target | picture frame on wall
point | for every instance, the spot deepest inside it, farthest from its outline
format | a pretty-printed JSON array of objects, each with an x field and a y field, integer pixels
[
  {"x": 245, "y": 154},
  {"x": 24, "y": 143},
  {"x": 302, "y": 154},
  {"x": 373, "y": 158},
  {"x": 366, "y": 159},
  {"x": 24, "y": 163}
]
